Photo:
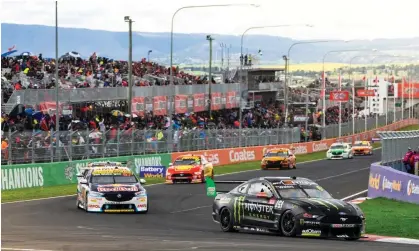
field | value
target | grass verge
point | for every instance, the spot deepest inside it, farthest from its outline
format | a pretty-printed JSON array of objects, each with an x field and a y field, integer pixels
[
  {"x": 391, "y": 218},
  {"x": 45, "y": 192}
]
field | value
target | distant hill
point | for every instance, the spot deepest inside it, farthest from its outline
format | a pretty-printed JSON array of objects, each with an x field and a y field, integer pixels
[{"x": 188, "y": 48}]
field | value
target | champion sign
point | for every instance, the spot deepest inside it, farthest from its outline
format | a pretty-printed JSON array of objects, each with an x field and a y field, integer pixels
[{"x": 152, "y": 171}]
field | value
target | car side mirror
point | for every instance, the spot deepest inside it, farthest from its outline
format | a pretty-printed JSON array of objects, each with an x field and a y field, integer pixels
[{"x": 142, "y": 181}]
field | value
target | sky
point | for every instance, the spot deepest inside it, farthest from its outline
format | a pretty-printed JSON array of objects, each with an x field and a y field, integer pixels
[{"x": 331, "y": 19}]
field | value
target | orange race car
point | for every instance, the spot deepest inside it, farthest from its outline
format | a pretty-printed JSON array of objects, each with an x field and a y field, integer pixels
[
  {"x": 362, "y": 148},
  {"x": 189, "y": 169},
  {"x": 278, "y": 158}
]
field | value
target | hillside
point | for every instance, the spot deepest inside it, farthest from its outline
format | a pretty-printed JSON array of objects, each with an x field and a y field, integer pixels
[{"x": 188, "y": 48}]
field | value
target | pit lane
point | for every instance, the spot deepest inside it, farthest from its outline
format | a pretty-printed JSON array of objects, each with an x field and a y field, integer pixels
[{"x": 179, "y": 218}]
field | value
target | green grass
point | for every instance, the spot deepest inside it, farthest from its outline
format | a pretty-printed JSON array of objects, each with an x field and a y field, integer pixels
[
  {"x": 45, "y": 192},
  {"x": 391, "y": 218}
]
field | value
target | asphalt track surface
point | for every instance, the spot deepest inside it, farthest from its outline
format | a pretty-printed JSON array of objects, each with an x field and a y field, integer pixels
[{"x": 179, "y": 218}]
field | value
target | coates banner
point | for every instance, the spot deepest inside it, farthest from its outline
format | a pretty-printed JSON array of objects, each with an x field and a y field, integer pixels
[
  {"x": 216, "y": 101},
  {"x": 199, "y": 102},
  {"x": 339, "y": 96},
  {"x": 160, "y": 105},
  {"x": 390, "y": 183},
  {"x": 231, "y": 100},
  {"x": 181, "y": 103},
  {"x": 227, "y": 156},
  {"x": 405, "y": 90},
  {"x": 138, "y": 106},
  {"x": 365, "y": 93}
]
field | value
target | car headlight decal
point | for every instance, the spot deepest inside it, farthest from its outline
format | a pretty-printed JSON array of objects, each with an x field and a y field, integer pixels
[{"x": 95, "y": 194}]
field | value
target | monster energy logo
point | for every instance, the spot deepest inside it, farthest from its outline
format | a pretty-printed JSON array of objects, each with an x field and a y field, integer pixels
[
  {"x": 238, "y": 209},
  {"x": 327, "y": 203}
]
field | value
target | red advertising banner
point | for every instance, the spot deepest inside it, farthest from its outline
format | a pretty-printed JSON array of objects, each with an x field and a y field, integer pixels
[
  {"x": 407, "y": 89},
  {"x": 181, "y": 102},
  {"x": 199, "y": 102},
  {"x": 216, "y": 101},
  {"x": 160, "y": 105},
  {"x": 231, "y": 100},
  {"x": 365, "y": 93},
  {"x": 138, "y": 106},
  {"x": 339, "y": 96}
]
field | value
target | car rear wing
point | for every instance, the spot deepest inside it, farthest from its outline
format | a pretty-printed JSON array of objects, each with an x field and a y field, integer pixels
[{"x": 211, "y": 188}]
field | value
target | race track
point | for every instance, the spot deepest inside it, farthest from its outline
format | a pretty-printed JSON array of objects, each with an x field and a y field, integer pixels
[{"x": 179, "y": 218}]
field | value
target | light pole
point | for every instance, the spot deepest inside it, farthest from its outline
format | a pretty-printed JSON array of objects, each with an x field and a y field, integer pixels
[
  {"x": 129, "y": 21},
  {"x": 222, "y": 45},
  {"x": 148, "y": 55},
  {"x": 210, "y": 39},
  {"x": 324, "y": 83},
  {"x": 287, "y": 74},
  {"x": 191, "y": 7},
  {"x": 57, "y": 83}
]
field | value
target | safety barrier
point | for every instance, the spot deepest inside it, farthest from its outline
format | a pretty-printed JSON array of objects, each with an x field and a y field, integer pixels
[
  {"x": 255, "y": 153},
  {"x": 390, "y": 183},
  {"x": 62, "y": 173}
]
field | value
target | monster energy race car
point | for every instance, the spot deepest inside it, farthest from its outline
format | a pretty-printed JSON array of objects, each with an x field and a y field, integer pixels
[{"x": 287, "y": 206}]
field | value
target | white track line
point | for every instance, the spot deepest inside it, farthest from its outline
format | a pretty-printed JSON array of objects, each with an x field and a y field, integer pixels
[
  {"x": 190, "y": 209},
  {"x": 25, "y": 249},
  {"x": 354, "y": 195},
  {"x": 217, "y": 175},
  {"x": 342, "y": 174}
]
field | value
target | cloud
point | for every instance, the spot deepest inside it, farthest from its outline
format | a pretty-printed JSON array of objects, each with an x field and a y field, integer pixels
[{"x": 355, "y": 19}]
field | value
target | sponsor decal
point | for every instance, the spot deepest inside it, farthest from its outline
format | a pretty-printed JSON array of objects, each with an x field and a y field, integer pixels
[
  {"x": 111, "y": 171},
  {"x": 142, "y": 206},
  {"x": 412, "y": 188},
  {"x": 118, "y": 210},
  {"x": 253, "y": 207},
  {"x": 118, "y": 189},
  {"x": 343, "y": 219},
  {"x": 279, "y": 204},
  {"x": 243, "y": 155},
  {"x": 391, "y": 185},
  {"x": 27, "y": 177},
  {"x": 212, "y": 157},
  {"x": 343, "y": 225},
  {"x": 342, "y": 236},
  {"x": 142, "y": 199},
  {"x": 311, "y": 232},
  {"x": 310, "y": 223},
  {"x": 318, "y": 147},
  {"x": 93, "y": 200},
  {"x": 94, "y": 206},
  {"x": 238, "y": 208},
  {"x": 285, "y": 187},
  {"x": 300, "y": 149},
  {"x": 272, "y": 201},
  {"x": 374, "y": 181},
  {"x": 225, "y": 200}
]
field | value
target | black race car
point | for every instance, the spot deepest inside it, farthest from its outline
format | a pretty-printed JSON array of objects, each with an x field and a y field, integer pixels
[{"x": 289, "y": 206}]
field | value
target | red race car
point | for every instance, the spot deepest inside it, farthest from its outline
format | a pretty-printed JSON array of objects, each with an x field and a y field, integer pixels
[{"x": 189, "y": 169}]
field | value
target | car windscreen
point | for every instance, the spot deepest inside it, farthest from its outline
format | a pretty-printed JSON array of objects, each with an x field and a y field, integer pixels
[
  {"x": 361, "y": 144},
  {"x": 277, "y": 154},
  {"x": 337, "y": 147},
  {"x": 290, "y": 192},
  {"x": 181, "y": 162},
  {"x": 113, "y": 179}
]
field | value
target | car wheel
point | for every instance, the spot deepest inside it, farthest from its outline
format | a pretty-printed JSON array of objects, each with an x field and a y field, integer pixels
[
  {"x": 288, "y": 224},
  {"x": 226, "y": 220}
]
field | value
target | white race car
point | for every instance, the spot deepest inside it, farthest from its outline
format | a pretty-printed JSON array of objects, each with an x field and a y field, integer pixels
[
  {"x": 340, "y": 151},
  {"x": 112, "y": 189}
]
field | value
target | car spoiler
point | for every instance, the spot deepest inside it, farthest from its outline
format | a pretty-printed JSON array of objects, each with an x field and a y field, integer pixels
[{"x": 211, "y": 188}]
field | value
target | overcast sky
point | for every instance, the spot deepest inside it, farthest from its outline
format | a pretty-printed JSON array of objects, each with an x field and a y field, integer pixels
[{"x": 335, "y": 19}]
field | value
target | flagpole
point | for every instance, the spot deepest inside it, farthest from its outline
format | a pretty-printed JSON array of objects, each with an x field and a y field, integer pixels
[
  {"x": 353, "y": 107},
  {"x": 340, "y": 106},
  {"x": 365, "y": 106},
  {"x": 402, "y": 93},
  {"x": 57, "y": 83},
  {"x": 377, "y": 113}
]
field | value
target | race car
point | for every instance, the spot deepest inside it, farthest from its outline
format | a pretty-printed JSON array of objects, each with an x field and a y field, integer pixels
[
  {"x": 288, "y": 206},
  {"x": 362, "y": 148},
  {"x": 340, "y": 151},
  {"x": 112, "y": 189},
  {"x": 189, "y": 169},
  {"x": 278, "y": 158}
]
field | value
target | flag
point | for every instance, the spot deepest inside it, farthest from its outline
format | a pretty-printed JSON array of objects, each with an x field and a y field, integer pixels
[
  {"x": 12, "y": 48},
  {"x": 376, "y": 80}
]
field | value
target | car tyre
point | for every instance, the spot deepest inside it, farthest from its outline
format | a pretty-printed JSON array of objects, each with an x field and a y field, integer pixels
[
  {"x": 288, "y": 224},
  {"x": 227, "y": 220}
]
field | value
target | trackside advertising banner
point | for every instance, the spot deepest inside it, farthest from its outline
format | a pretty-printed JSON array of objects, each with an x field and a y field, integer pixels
[
  {"x": 228, "y": 156},
  {"x": 64, "y": 173},
  {"x": 387, "y": 182}
]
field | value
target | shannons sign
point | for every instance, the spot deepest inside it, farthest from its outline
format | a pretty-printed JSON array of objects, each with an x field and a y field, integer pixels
[{"x": 27, "y": 177}]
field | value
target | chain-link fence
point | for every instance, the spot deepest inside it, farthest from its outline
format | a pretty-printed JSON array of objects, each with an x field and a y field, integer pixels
[
  {"x": 30, "y": 147},
  {"x": 395, "y": 145}
]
